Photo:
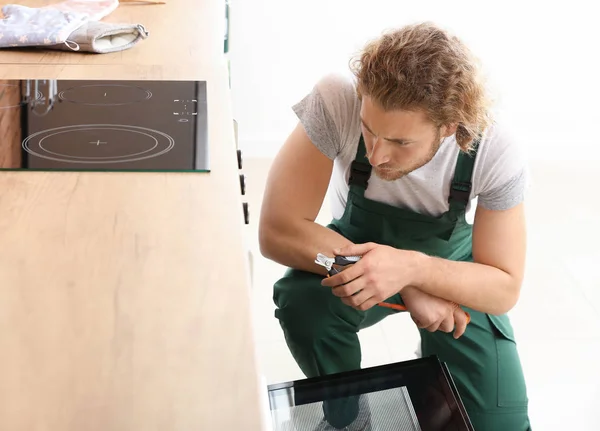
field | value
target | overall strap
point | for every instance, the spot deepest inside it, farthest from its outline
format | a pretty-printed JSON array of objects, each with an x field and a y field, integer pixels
[
  {"x": 360, "y": 170},
  {"x": 460, "y": 189}
]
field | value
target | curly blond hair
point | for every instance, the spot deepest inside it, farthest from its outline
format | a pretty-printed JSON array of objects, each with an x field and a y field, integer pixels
[{"x": 422, "y": 66}]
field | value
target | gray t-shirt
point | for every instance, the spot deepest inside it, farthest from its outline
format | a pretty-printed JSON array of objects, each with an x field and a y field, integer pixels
[{"x": 330, "y": 114}]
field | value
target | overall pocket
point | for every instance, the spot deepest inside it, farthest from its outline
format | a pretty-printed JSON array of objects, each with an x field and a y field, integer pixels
[{"x": 512, "y": 390}]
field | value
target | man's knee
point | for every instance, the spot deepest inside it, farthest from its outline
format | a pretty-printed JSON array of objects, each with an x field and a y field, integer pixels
[{"x": 307, "y": 307}]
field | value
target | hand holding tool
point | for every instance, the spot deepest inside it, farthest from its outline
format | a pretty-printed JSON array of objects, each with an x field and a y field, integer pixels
[{"x": 337, "y": 264}]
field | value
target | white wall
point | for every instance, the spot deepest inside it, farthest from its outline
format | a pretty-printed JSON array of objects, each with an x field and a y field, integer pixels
[{"x": 543, "y": 62}]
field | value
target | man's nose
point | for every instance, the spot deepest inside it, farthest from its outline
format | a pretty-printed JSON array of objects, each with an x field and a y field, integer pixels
[{"x": 379, "y": 153}]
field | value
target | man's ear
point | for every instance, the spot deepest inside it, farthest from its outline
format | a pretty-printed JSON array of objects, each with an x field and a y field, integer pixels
[{"x": 449, "y": 130}]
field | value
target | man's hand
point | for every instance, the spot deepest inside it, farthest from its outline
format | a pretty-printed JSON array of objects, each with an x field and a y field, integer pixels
[
  {"x": 381, "y": 272},
  {"x": 384, "y": 271},
  {"x": 434, "y": 314}
]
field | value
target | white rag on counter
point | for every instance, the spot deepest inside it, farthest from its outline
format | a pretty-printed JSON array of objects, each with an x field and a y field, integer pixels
[
  {"x": 25, "y": 26},
  {"x": 70, "y": 25}
]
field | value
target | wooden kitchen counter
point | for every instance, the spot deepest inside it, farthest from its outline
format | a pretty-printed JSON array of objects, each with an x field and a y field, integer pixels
[
  {"x": 124, "y": 297},
  {"x": 179, "y": 31}
]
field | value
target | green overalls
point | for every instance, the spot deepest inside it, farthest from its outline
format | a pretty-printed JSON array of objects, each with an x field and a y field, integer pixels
[{"x": 322, "y": 332}]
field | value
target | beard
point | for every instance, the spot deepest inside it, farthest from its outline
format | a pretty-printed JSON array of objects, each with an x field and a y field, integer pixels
[{"x": 395, "y": 173}]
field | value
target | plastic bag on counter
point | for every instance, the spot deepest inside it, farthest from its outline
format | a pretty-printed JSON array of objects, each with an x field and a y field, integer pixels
[
  {"x": 96, "y": 9},
  {"x": 102, "y": 38},
  {"x": 23, "y": 26},
  {"x": 141, "y": 2}
]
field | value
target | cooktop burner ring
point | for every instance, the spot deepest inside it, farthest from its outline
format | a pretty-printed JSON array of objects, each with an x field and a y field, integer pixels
[
  {"x": 140, "y": 94},
  {"x": 113, "y": 158},
  {"x": 40, "y": 150},
  {"x": 38, "y": 96}
]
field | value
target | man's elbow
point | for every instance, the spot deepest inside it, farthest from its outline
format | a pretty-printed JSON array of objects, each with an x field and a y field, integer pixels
[
  {"x": 511, "y": 297},
  {"x": 267, "y": 237}
]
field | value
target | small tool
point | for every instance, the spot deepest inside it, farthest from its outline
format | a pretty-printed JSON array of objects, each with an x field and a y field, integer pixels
[
  {"x": 335, "y": 265},
  {"x": 341, "y": 262},
  {"x": 329, "y": 262}
]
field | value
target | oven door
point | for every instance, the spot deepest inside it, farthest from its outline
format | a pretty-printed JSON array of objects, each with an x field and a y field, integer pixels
[{"x": 416, "y": 395}]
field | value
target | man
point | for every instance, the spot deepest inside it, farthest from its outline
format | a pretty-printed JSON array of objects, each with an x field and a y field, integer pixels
[{"x": 408, "y": 148}]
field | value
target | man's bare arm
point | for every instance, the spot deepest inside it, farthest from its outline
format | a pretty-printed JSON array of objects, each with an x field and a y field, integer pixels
[
  {"x": 296, "y": 187},
  {"x": 492, "y": 283}
]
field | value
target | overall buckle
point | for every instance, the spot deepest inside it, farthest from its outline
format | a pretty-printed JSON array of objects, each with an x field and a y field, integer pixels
[
  {"x": 460, "y": 192},
  {"x": 359, "y": 174}
]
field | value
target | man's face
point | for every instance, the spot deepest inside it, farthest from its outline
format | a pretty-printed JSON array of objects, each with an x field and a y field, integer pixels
[{"x": 398, "y": 142}]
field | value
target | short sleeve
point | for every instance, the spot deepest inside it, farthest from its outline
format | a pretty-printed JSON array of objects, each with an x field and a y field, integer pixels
[
  {"x": 501, "y": 170},
  {"x": 326, "y": 112}
]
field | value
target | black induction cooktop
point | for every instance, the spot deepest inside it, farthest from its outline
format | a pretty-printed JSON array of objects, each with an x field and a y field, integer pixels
[{"x": 103, "y": 125}]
